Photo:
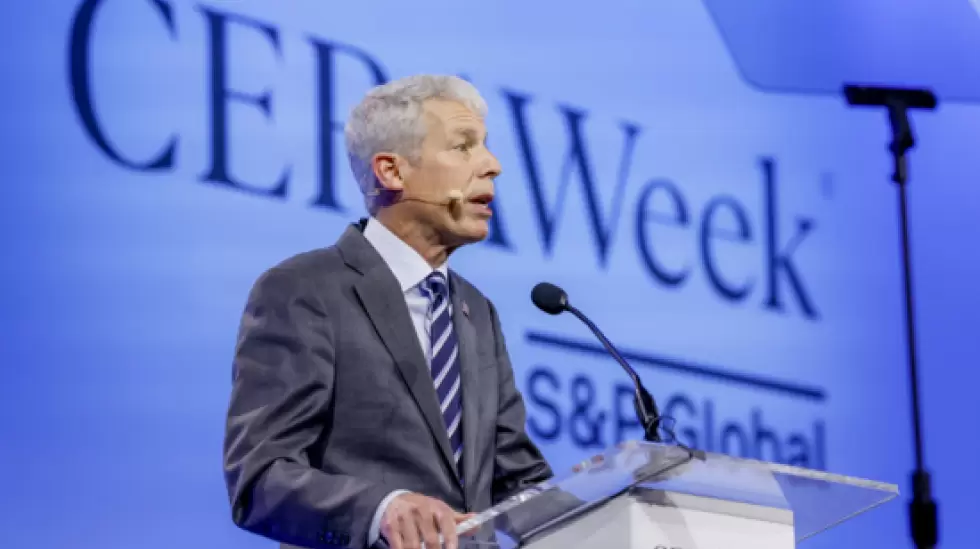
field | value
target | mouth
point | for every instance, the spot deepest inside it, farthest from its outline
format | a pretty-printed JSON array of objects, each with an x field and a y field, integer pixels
[{"x": 483, "y": 199}]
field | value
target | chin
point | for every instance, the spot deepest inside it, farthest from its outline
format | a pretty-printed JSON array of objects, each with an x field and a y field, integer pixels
[{"x": 472, "y": 231}]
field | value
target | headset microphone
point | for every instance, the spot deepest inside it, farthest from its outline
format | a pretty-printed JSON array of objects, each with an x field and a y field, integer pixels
[{"x": 453, "y": 197}]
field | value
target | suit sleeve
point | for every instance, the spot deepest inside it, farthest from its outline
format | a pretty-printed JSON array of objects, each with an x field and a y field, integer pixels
[
  {"x": 283, "y": 375},
  {"x": 518, "y": 462}
]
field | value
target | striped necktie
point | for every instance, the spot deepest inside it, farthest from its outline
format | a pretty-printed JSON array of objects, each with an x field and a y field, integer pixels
[{"x": 444, "y": 364}]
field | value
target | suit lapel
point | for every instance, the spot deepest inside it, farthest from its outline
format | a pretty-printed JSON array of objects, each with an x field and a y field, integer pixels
[
  {"x": 468, "y": 365},
  {"x": 384, "y": 303}
]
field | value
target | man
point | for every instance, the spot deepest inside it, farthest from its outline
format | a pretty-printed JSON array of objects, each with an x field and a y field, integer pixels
[{"x": 373, "y": 398}]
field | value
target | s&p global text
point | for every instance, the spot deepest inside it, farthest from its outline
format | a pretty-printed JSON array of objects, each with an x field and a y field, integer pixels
[{"x": 593, "y": 414}]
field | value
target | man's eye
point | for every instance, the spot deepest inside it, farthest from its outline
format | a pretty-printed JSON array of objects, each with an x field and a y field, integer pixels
[{"x": 463, "y": 147}]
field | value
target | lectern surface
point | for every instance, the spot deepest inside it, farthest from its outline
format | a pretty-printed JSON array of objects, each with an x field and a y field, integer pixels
[{"x": 816, "y": 499}]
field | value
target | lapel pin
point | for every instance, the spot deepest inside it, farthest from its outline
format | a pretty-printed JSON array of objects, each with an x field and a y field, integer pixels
[{"x": 466, "y": 309}]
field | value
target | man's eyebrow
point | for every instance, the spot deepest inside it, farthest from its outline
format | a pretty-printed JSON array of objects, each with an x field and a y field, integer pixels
[{"x": 470, "y": 133}]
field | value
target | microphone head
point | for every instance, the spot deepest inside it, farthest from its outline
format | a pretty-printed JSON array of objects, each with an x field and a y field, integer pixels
[
  {"x": 549, "y": 298},
  {"x": 455, "y": 195}
]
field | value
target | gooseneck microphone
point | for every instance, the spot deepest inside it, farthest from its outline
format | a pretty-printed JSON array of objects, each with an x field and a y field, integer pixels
[{"x": 553, "y": 300}]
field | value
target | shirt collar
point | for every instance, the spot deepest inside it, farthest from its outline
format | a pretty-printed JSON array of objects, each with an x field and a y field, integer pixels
[{"x": 407, "y": 265}]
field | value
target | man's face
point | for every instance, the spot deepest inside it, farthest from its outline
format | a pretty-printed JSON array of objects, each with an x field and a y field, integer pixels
[{"x": 453, "y": 157}]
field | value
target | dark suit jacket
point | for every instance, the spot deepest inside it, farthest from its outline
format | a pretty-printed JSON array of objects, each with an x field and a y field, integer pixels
[{"x": 333, "y": 407}]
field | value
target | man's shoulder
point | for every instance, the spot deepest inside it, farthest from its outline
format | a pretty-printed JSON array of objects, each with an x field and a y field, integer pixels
[
  {"x": 316, "y": 260},
  {"x": 307, "y": 270}
]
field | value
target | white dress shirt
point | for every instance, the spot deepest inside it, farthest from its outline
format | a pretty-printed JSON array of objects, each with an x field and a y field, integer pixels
[{"x": 410, "y": 269}]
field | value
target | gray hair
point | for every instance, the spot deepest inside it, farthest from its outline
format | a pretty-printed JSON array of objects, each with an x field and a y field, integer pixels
[{"x": 389, "y": 119}]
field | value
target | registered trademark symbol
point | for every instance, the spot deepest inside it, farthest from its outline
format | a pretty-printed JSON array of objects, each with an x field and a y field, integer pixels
[{"x": 827, "y": 185}]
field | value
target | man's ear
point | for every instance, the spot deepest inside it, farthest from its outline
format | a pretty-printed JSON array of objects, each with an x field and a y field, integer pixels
[{"x": 387, "y": 169}]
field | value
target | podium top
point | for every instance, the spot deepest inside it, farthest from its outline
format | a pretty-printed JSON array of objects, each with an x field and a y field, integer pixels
[{"x": 818, "y": 500}]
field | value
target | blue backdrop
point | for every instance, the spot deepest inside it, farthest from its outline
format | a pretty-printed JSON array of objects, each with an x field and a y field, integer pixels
[{"x": 686, "y": 170}]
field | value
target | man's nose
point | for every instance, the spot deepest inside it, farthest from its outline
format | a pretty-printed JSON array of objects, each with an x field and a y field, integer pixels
[{"x": 489, "y": 166}]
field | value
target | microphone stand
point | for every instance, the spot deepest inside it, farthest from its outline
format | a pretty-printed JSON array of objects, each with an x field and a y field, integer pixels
[{"x": 923, "y": 509}]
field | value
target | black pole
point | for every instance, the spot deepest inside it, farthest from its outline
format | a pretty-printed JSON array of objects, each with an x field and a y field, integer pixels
[{"x": 923, "y": 510}]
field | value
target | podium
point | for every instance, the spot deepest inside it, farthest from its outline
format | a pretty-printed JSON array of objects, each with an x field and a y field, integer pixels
[{"x": 659, "y": 496}]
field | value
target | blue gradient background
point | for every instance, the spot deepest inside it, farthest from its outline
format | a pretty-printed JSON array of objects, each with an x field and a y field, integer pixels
[{"x": 121, "y": 290}]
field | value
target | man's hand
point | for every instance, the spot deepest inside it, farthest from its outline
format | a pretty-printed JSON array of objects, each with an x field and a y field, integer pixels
[{"x": 413, "y": 519}]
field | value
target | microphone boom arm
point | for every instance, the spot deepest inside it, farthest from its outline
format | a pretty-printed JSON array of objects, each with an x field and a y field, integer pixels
[{"x": 644, "y": 403}]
